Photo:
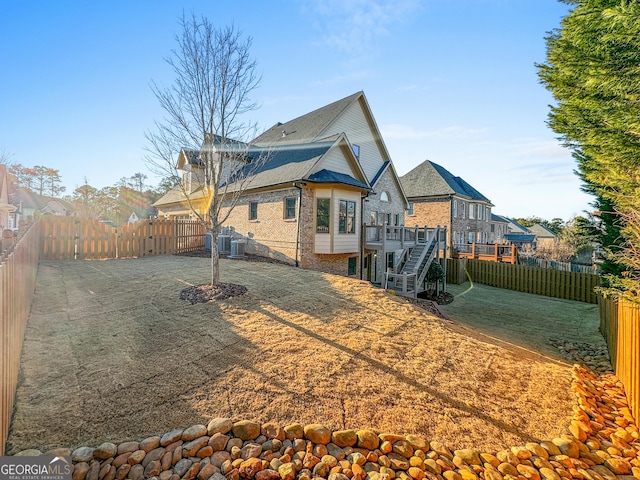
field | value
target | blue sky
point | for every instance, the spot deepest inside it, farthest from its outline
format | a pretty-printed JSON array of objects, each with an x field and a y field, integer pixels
[{"x": 452, "y": 81}]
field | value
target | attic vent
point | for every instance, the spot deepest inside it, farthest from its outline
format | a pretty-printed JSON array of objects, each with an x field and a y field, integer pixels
[{"x": 284, "y": 133}]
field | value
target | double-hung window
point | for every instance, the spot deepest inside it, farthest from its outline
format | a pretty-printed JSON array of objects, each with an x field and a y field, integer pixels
[
  {"x": 253, "y": 211},
  {"x": 347, "y": 217},
  {"x": 323, "y": 213},
  {"x": 290, "y": 208}
]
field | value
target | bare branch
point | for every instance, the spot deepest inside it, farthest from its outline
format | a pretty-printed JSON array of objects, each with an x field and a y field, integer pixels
[{"x": 205, "y": 110}]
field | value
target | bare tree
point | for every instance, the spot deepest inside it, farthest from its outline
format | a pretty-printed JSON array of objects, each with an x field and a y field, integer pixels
[{"x": 204, "y": 108}]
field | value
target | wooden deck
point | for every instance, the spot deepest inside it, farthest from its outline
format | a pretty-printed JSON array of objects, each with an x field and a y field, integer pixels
[
  {"x": 488, "y": 252},
  {"x": 388, "y": 238}
]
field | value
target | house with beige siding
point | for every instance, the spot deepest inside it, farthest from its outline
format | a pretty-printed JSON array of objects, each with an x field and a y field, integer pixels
[
  {"x": 437, "y": 197},
  {"x": 323, "y": 177},
  {"x": 5, "y": 207}
]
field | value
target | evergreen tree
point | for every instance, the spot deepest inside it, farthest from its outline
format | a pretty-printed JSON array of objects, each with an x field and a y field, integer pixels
[{"x": 592, "y": 71}]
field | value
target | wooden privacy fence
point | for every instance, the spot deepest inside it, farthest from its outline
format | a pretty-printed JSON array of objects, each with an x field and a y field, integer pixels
[
  {"x": 620, "y": 326},
  {"x": 455, "y": 271},
  {"x": 67, "y": 238},
  {"x": 536, "y": 280},
  {"x": 18, "y": 271}
]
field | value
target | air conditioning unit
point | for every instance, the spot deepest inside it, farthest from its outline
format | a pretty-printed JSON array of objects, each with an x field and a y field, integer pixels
[
  {"x": 237, "y": 249},
  {"x": 224, "y": 244}
]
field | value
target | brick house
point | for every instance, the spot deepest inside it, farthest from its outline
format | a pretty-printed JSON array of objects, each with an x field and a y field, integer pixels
[
  {"x": 499, "y": 228},
  {"x": 437, "y": 197},
  {"x": 321, "y": 178}
]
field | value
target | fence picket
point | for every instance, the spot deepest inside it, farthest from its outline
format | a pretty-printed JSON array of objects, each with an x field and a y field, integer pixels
[
  {"x": 540, "y": 281},
  {"x": 18, "y": 270},
  {"x": 97, "y": 241}
]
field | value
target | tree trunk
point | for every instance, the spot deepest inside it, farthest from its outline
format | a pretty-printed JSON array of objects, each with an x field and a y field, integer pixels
[{"x": 215, "y": 257}]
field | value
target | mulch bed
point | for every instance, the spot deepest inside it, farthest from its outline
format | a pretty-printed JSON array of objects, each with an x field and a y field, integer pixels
[{"x": 206, "y": 292}]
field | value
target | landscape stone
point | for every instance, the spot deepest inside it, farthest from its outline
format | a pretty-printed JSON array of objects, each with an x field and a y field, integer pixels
[
  {"x": 317, "y": 433},
  {"x": 193, "y": 432},
  {"x": 249, "y": 468},
  {"x": 150, "y": 443},
  {"x": 335, "y": 451},
  {"x": 170, "y": 437},
  {"x": 250, "y": 450},
  {"x": 136, "y": 457},
  {"x": 218, "y": 458},
  {"x": 398, "y": 462},
  {"x": 219, "y": 425},
  {"x": 152, "y": 469},
  {"x": 182, "y": 466},
  {"x": 218, "y": 441},
  {"x": 404, "y": 448},
  {"x": 268, "y": 474},
  {"x": 106, "y": 450},
  {"x": 287, "y": 471},
  {"x": 246, "y": 430},
  {"x": 82, "y": 454},
  {"x": 344, "y": 438},
  {"x": 272, "y": 430},
  {"x": 58, "y": 452},
  {"x": 418, "y": 442},
  {"x": 128, "y": 447},
  {"x": 136, "y": 472},
  {"x": 618, "y": 466},
  {"x": 293, "y": 431},
  {"x": 189, "y": 449},
  {"x": 367, "y": 439},
  {"x": 94, "y": 470},
  {"x": 321, "y": 469},
  {"x": 567, "y": 447},
  {"x": 80, "y": 470},
  {"x": 468, "y": 456},
  {"x": 152, "y": 456},
  {"x": 120, "y": 460},
  {"x": 206, "y": 472},
  {"x": 122, "y": 471},
  {"x": 204, "y": 452}
]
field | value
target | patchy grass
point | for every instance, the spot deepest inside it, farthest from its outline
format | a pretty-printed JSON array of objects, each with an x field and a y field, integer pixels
[
  {"x": 532, "y": 322},
  {"x": 111, "y": 353}
]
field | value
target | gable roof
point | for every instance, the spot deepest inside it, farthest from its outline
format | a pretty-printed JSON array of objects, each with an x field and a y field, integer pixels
[
  {"x": 430, "y": 179},
  {"x": 307, "y": 127},
  {"x": 289, "y": 163},
  {"x": 282, "y": 165},
  {"x": 541, "y": 232},
  {"x": 515, "y": 227},
  {"x": 499, "y": 218}
]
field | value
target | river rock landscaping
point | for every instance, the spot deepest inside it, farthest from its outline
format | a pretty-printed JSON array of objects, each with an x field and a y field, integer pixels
[{"x": 603, "y": 443}]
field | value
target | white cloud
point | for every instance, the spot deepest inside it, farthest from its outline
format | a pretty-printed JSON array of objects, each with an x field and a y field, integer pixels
[{"x": 352, "y": 25}]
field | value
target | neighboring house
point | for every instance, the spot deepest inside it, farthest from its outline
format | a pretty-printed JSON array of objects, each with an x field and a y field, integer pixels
[
  {"x": 133, "y": 218},
  {"x": 30, "y": 205},
  {"x": 437, "y": 197},
  {"x": 6, "y": 209},
  {"x": 545, "y": 238},
  {"x": 499, "y": 228},
  {"x": 520, "y": 236},
  {"x": 309, "y": 186}
]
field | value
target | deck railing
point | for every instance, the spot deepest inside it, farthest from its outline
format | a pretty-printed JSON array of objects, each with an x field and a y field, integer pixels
[
  {"x": 489, "y": 252},
  {"x": 18, "y": 271}
]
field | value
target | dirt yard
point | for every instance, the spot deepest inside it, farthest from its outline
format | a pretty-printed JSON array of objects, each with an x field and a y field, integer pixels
[{"x": 112, "y": 354}]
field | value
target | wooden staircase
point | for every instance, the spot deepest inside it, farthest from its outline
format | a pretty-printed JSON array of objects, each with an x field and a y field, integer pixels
[{"x": 409, "y": 281}]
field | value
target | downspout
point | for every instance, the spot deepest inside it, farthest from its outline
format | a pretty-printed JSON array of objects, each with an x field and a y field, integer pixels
[{"x": 299, "y": 212}]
